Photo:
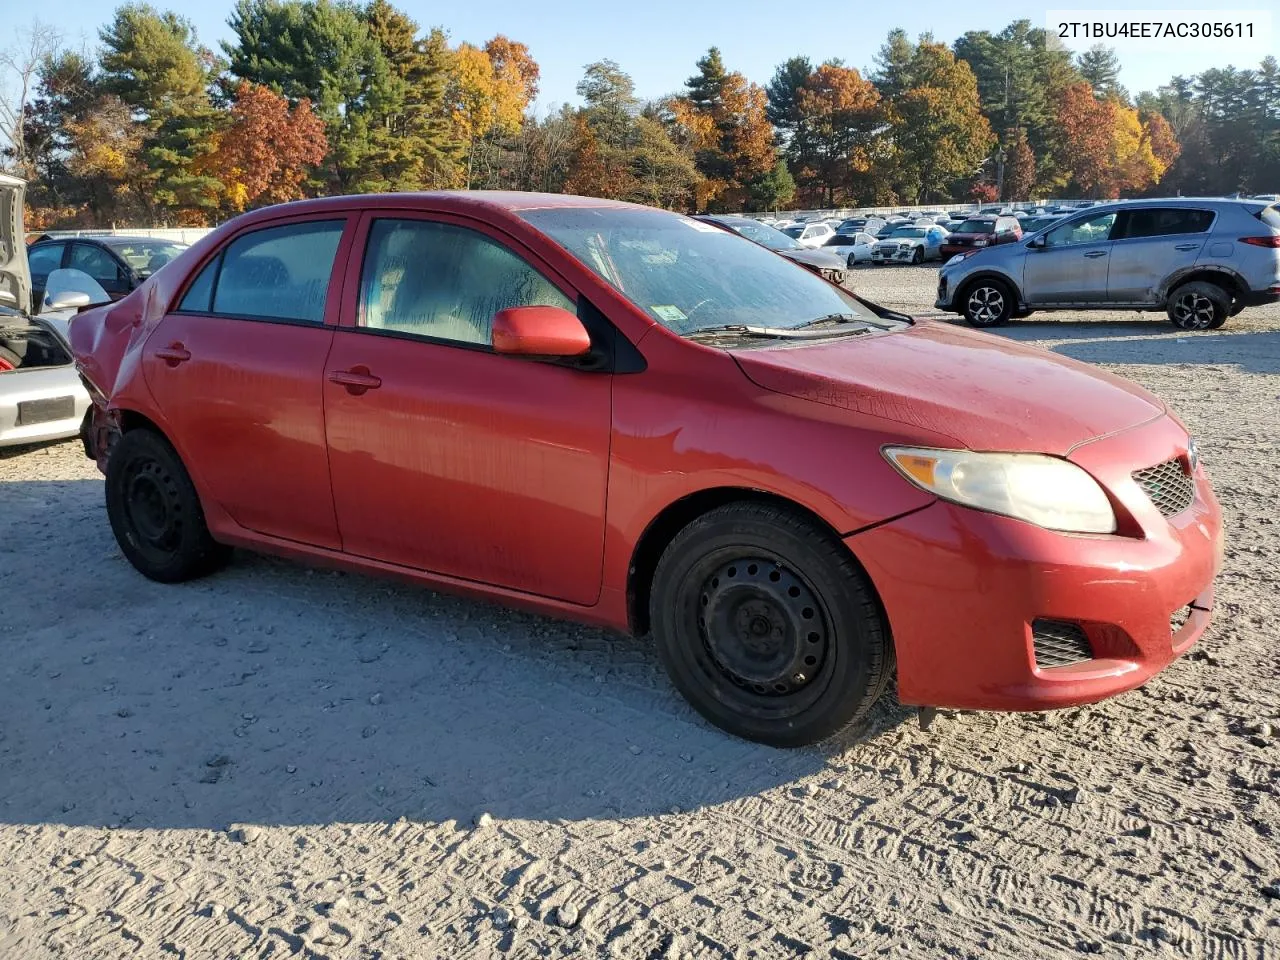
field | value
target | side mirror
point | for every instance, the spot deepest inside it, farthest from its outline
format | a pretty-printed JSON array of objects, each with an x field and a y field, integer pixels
[
  {"x": 66, "y": 299},
  {"x": 539, "y": 332},
  {"x": 70, "y": 288},
  {"x": 1037, "y": 243}
]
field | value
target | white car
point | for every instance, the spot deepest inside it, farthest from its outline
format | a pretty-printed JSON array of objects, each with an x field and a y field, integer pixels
[
  {"x": 810, "y": 234},
  {"x": 41, "y": 396},
  {"x": 854, "y": 248}
]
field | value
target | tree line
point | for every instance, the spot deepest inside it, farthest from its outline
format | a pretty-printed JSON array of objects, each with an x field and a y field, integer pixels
[{"x": 311, "y": 97}]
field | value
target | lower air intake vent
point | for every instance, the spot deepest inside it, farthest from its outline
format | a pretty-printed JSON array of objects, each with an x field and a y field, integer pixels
[
  {"x": 1059, "y": 643},
  {"x": 1168, "y": 486}
]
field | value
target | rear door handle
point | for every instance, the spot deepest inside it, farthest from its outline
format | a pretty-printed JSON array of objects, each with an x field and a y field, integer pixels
[
  {"x": 1096, "y": 253},
  {"x": 357, "y": 380},
  {"x": 174, "y": 354},
  {"x": 1186, "y": 246}
]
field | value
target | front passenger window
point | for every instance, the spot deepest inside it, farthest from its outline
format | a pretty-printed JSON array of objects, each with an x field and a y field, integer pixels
[
  {"x": 1088, "y": 230},
  {"x": 443, "y": 282}
]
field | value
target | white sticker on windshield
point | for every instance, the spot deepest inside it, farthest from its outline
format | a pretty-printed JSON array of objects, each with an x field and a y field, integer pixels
[
  {"x": 667, "y": 312},
  {"x": 698, "y": 225}
]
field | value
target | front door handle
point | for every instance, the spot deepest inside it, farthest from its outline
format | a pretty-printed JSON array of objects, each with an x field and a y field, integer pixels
[
  {"x": 1186, "y": 246},
  {"x": 357, "y": 380},
  {"x": 174, "y": 354},
  {"x": 1096, "y": 253}
]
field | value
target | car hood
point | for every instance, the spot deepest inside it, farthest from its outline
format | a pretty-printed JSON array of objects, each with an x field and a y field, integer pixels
[
  {"x": 909, "y": 241},
  {"x": 15, "y": 276},
  {"x": 986, "y": 392},
  {"x": 815, "y": 258}
]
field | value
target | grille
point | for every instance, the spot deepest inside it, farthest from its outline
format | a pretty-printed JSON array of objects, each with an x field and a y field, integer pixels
[
  {"x": 1168, "y": 486},
  {"x": 1059, "y": 644},
  {"x": 1179, "y": 619}
]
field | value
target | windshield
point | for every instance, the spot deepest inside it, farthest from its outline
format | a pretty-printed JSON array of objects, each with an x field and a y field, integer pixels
[
  {"x": 976, "y": 226},
  {"x": 147, "y": 256},
  {"x": 691, "y": 276},
  {"x": 769, "y": 237},
  {"x": 916, "y": 232},
  {"x": 794, "y": 232}
]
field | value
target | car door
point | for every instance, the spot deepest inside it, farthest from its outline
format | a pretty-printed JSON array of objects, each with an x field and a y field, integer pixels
[
  {"x": 237, "y": 368},
  {"x": 1151, "y": 244},
  {"x": 111, "y": 274},
  {"x": 1072, "y": 264},
  {"x": 446, "y": 456}
]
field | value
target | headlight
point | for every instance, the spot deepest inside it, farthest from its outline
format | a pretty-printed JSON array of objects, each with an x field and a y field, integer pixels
[
  {"x": 1043, "y": 490},
  {"x": 956, "y": 259}
]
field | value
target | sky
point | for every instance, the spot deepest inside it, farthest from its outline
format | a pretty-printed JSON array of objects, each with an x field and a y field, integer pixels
[{"x": 659, "y": 41}]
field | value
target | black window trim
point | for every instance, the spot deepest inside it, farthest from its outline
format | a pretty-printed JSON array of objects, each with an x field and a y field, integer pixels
[
  {"x": 220, "y": 256},
  {"x": 610, "y": 351}
]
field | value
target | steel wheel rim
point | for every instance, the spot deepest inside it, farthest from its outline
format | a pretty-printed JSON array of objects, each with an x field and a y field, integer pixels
[
  {"x": 986, "y": 303},
  {"x": 762, "y": 628},
  {"x": 152, "y": 509},
  {"x": 1194, "y": 311}
]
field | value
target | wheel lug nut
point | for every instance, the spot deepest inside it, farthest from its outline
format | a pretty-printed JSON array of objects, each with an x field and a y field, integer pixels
[{"x": 798, "y": 678}]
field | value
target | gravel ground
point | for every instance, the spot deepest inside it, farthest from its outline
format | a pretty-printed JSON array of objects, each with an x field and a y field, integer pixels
[{"x": 277, "y": 761}]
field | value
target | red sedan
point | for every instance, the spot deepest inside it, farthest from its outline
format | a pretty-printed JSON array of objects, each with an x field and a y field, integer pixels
[{"x": 628, "y": 417}]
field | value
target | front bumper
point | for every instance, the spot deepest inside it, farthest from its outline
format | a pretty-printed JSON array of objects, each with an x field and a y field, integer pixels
[
  {"x": 961, "y": 589},
  {"x": 897, "y": 255}
]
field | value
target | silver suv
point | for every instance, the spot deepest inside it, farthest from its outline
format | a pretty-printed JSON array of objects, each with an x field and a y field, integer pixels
[{"x": 1201, "y": 261}]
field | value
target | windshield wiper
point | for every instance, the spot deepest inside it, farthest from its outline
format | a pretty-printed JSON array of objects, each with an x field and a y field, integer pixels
[
  {"x": 775, "y": 333},
  {"x": 834, "y": 319},
  {"x": 740, "y": 329}
]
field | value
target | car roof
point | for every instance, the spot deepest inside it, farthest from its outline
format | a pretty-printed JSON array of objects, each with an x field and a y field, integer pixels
[{"x": 104, "y": 238}]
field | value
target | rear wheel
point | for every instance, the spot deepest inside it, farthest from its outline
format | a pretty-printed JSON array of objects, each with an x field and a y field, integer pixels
[
  {"x": 155, "y": 512},
  {"x": 1199, "y": 305},
  {"x": 987, "y": 303},
  {"x": 767, "y": 626}
]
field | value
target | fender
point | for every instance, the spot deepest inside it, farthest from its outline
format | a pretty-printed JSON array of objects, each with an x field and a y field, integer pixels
[{"x": 1229, "y": 278}]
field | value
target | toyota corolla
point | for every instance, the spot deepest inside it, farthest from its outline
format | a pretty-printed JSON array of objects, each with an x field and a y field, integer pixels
[{"x": 626, "y": 416}]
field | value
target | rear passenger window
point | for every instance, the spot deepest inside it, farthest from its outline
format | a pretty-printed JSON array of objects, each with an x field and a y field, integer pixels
[
  {"x": 1165, "y": 222},
  {"x": 280, "y": 273},
  {"x": 44, "y": 259}
]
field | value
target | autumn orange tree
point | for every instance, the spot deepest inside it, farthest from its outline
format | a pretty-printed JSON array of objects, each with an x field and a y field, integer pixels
[
  {"x": 1020, "y": 167},
  {"x": 1108, "y": 148},
  {"x": 267, "y": 149},
  {"x": 724, "y": 119},
  {"x": 831, "y": 150}
]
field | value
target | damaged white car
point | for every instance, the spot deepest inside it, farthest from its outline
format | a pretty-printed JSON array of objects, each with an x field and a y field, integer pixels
[{"x": 41, "y": 396}]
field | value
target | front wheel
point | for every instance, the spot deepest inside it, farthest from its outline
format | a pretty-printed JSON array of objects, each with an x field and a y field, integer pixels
[
  {"x": 917, "y": 257},
  {"x": 1199, "y": 305},
  {"x": 767, "y": 625},
  {"x": 988, "y": 303},
  {"x": 155, "y": 512}
]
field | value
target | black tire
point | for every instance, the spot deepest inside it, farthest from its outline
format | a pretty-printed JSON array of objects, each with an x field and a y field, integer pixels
[
  {"x": 917, "y": 257},
  {"x": 1199, "y": 305},
  {"x": 987, "y": 303},
  {"x": 155, "y": 512},
  {"x": 728, "y": 608}
]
